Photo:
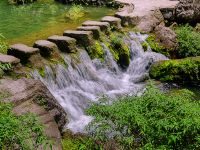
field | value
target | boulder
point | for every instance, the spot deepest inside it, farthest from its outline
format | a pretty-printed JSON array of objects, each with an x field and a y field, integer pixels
[
  {"x": 64, "y": 43},
  {"x": 188, "y": 11},
  {"x": 126, "y": 18},
  {"x": 9, "y": 59},
  {"x": 104, "y": 26},
  {"x": 21, "y": 51},
  {"x": 166, "y": 37},
  {"x": 177, "y": 71},
  {"x": 46, "y": 47},
  {"x": 32, "y": 96},
  {"x": 84, "y": 38},
  {"x": 95, "y": 30},
  {"x": 114, "y": 21}
]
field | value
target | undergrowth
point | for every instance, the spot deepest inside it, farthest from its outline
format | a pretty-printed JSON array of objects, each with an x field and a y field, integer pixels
[{"x": 155, "y": 120}]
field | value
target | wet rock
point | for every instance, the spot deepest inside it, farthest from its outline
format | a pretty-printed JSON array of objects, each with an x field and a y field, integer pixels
[
  {"x": 64, "y": 43},
  {"x": 126, "y": 19},
  {"x": 46, "y": 47},
  {"x": 23, "y": 52},
  {"x": 30, "y": 95},
  {"x": 104, "y": 26},
  {"x": 95, "y": 30},
  {"x": 9, "y": 59},
  {"x": 166, "y": 37},
  {"x": 114, "y": 21},
  {"x": 84, "y": 38}
]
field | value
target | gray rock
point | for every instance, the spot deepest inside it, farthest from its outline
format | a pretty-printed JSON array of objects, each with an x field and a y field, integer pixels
[
  {"x": 114, "y": 21},
  {"x": 30, "y": 95},
  {"x": 84, "y": 38},
  {"x": 126, "y": 18},
  {"x": 9, "y": 59},
  {"x": 21, "y": 51},
  {"x": 166, "y": 37},
  {"x": 64, "y": 43},
  {"x": 46, "y": 47},
  {"x": 95, "y": 30},
  {"x": 104, "y": 26}
]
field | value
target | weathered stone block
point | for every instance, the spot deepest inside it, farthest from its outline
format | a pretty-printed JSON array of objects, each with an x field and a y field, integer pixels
[
  {"x": 95, "y": 30},
  {"x": 104, "y": 26},
  {"x": 21, "y": 51},
  {"x": 84, "y": 38},
  {"x": 64, "y": 43},
  {"x": 9, "y": 59},
  {"x": 114, "y": 21},
  {"x": 46, "y": 47}
]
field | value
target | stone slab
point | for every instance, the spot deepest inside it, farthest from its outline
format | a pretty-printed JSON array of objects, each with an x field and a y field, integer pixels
[
  {"x": 114, "y": 21},
  {"x": 9, "y": 59},
  {"x": 64, "y": 43},
  {"x": 95, "y": 30},
  {"x": 104, "y": 26}
]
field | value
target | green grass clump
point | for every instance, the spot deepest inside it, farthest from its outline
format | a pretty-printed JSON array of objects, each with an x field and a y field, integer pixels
[
  {"x": 189, "y": 41},
  {"x": 153, "y": 121},
  {"x": 75, "y": 12},
  {"x": 3, "y": 45},
  {"x": 20, "y": 132}
]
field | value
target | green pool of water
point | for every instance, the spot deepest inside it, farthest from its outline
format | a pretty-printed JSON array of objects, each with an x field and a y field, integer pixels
[{"x": 25, "y": 24}]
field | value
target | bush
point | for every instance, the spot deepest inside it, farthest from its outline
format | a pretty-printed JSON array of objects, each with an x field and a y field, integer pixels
[
  {"x": 189, "y": 41},
  {"x": 20, "y": 1},
  {"x": 155, "y": 120},
  {"x": 3, "y": 45},
  {"x": 19, "y": 132},
  {"x": 179, "y": 70},
  {"x": 75, "y": 12}
]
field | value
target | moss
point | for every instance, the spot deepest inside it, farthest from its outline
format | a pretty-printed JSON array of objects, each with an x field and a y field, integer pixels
[
  {"x": 96, "y": 51},
  {"x": 1, "y": 73},
  {"x": 180, "y": 70},
  {"x": 119, "y": 49},
  {"x": 155, "y": 46},
  {"x": 42, "y": 72},
  {"x": 145, "y": 46},
  {"x": 4, "y": 94}
]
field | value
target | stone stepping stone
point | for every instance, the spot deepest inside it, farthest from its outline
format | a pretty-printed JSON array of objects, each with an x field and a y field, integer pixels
[
  {"x": 46, "y": 47},
  {"x": 9, "y": 59},
  {"x": 114, "y": 21},
  {"x": 104, "y": 26},
  {"x": 95, "y": 30},
  {"x": 64, "y": 43},
  {"x": 84, "y": 38},
  {"x": 126, "y": 19},
  {"x": 22, "y": 51}
]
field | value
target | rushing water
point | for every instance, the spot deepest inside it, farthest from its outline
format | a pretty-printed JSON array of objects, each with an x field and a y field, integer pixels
[
  {"x": 79, "y": 84},
  {"x": 25, "y": 24}
]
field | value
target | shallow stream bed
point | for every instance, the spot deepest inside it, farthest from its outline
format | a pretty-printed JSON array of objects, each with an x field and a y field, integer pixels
[{"x": 25, "y": 24}]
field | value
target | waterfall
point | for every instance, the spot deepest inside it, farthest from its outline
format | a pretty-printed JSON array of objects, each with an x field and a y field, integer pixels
[{"x": 83, "y": 82}]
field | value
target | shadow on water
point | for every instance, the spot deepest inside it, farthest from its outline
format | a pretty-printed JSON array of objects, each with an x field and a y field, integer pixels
[{"x": 41, "y": 19}]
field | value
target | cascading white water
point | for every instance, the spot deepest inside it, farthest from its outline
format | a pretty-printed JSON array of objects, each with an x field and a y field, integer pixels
[{"x": 81, "y": 82}]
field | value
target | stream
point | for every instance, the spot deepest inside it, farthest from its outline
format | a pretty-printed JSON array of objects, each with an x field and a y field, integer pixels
[{"x": 86, "y": 81}]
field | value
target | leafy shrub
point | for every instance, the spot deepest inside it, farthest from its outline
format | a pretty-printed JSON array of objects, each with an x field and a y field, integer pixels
[
  {"x": 189, "y": 41},
  {"x": 5, "y": 66},
  {"x": 179, "y": 70},
  {"x": 3, "y": 45},
  {"x": 20, "y": 132},
  {"x": 75, "y": 12},
  {"x": 155, "y": 120},
  {"x": 20, "y": 1}
]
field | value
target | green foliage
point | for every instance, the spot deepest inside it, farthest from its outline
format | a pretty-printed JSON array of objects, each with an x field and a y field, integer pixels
[
  {"x": 3, "y": 45},
  {"x": 189, "y": 41},
  {"x": 20, "y": 132},
  {"x": 180, "y": 70},
  {"x": 155, "y": 120},
  {"x": 20, "y": 1},
  {"x": 5, "y": 66},
  {"x": 78, "y": 142},
  {"x": 96, "y": 51},
  {"x": 119, "y": 49},
  {"x": 155, "y": 46},
  {"x": 75, "y": 12}
]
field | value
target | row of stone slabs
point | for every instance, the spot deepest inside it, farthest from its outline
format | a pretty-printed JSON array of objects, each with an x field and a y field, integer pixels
[{"x": 83, "y": 36}]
